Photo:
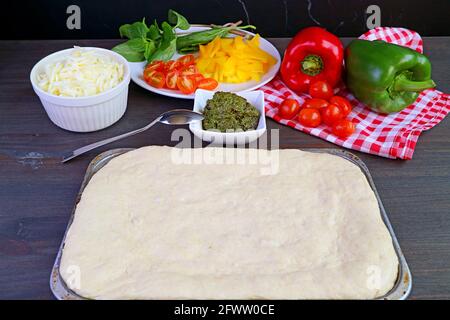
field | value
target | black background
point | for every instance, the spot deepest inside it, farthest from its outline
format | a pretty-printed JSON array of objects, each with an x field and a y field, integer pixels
[{"x": 46, "y": 19}]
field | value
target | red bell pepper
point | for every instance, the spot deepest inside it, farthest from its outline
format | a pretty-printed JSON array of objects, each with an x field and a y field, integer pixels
[{"x": 313, "y": 54}]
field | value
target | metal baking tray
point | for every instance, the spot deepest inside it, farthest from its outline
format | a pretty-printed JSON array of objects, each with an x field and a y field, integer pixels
[{"x": 400, "y": 291}]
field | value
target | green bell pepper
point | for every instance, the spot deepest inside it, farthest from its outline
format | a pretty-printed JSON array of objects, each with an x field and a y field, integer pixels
[{"x": 385, "y": 76}]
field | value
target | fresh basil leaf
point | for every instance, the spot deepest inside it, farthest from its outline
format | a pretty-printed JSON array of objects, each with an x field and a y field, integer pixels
[
  {"x": 168, "y": 45},
  {"x": 124, "y": 30},
  {"x": 132, "y": 50},
  {"x": 164, "y": 52},
  {"x": 155, "y": 23},
  {"x": 153, "y": 33},
  {"x": 167, "y": 31},
  {"x": 177, "y": 20},
  {"x": 137, "y": 44},
  {"x": 149, "y": 49},
  {"x": 132, "y": 31},
  {"x": 190, "y": 49},
  {"x": 143, "y": 22}
]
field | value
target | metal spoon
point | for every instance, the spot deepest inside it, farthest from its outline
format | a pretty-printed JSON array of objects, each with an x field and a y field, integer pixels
[{"x": 172, "y": 117}]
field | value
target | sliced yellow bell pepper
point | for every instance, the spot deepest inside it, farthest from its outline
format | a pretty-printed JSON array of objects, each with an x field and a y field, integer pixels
[{"x": 234, "y": 60}]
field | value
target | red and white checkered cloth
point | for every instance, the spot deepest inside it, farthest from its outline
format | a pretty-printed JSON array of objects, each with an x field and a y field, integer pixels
[{"x": 392, "y": 136}]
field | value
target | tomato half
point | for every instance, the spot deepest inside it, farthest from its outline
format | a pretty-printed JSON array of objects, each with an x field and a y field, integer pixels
[
  {"x": 310, "y": 117},
  {"x": 187, "y": 59},
  {"x": 343, "y": 128},
  {"x": 155, "y": 79},
  {"x": 331, "y": 114},
  {"x": 289, "y": 108},
  {"x": 172, "y": 65},
  {"x": 207, "y": 84},
  {"x": 171, "y": 79},
  {"x": 186, "y": 84},
  {"x": 189, "y": 70},
  {"x": 315, "y": 103},
  {"x": 157, "y": 65},
  {"x": 344, "y": 104},
  {"x": 146, "y": 74},
  {"x": 197, "y": 77},
  {"x": 321, "y": 89}
]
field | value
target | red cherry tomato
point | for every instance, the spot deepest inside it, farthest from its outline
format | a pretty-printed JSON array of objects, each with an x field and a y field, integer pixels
[
  {"x": 321, "y": 89},
  {"x": 155, "y": 79},
  {"x": 189, "y": 70},
  {"x": 171, "y": 79},
  {"x": 146, "y": 74},
  {"x": 289, "y": 108},
  {"x": 207, "y": 84},
  {"x": 197, "y": 77},
  {"x": 344, "y": 104},
  {"x": 186, "y": 84},
  {"x": 157, "y": 65},
  {"x": 187, "y": 59},
  {"x": 331, "y": 114},
  {"x": 343, "y": 128},
  {"x": 315, "y": 103},
  {"x": 309, "y": 117},
  {"x": 172, "y": 65}
]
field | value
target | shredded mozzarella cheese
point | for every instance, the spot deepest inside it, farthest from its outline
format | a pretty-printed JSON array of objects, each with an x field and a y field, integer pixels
[{"x": 84, "y": 72}]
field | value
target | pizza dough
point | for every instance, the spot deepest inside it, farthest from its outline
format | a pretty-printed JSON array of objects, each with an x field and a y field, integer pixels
[{"x": 148, "y": 227}]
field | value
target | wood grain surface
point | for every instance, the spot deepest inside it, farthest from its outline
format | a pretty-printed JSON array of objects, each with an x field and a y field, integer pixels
[{"x": 37, "y": 191}]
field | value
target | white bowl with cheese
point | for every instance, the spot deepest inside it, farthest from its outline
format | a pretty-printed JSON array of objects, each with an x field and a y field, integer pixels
[{"x": 82, "y": 89}]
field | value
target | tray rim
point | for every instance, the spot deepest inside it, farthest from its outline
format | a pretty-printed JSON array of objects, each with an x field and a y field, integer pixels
[{"x": 400, "y": 291}]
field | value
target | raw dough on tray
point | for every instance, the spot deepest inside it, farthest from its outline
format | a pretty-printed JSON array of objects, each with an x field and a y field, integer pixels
[{"x": 149, "y": 228}]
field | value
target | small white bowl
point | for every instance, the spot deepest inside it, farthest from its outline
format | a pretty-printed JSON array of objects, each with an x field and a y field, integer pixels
[
  {"x": 256, "y": 98},
  {"x": 83, "y": 114}
]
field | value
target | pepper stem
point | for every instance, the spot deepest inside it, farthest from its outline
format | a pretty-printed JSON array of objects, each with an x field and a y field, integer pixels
[
  {"x": 402, "y": 83},
  {"x": 312, "y": 65}
]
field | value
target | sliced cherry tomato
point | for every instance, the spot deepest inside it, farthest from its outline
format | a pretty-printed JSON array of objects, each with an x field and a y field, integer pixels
[
  {"x": 187, "y": 59},
  {"x": 344, "y": 104},
  {"x": 289, "y": 108},
  {"x": 197, "y": 77},
  {"x": 172, "y": 65},
  {"x": 189, "y": 70},
  {"x": 343, "y": 128},
  {"x": 146, "y": 74},
  {"x": 310, "y": 117},
  {"x": 315, "y": 103},
  {"x": 186, "y": 84},
  {"x": 331, "y": 114},
  {"x": 171, "y": 79},
  {"x": 156, "y": 79},
  {"x": 157, "y": 65},
  {"x": 207, "y": 84},
  {"x": 321, "y": 89}
]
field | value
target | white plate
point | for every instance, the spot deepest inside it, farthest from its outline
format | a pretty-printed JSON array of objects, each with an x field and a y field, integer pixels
[{"x": 137, "y": 69}]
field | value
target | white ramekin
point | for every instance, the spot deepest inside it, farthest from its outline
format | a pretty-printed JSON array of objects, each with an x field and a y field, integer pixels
[
  {"x": 256, "y": 98},
  {"x": 83, "y": 114}
]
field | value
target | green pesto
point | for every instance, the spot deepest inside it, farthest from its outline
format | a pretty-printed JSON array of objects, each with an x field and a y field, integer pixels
[{"x": 227, "y": 111}]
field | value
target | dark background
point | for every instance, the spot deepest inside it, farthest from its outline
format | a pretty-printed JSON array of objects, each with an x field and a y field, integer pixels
[{"x": 46, "y": 19}]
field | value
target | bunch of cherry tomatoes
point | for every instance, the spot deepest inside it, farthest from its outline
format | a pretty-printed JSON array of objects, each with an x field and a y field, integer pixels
[
  {"x": 323, "y": 107},
  {"x": 180, "y": 74}
]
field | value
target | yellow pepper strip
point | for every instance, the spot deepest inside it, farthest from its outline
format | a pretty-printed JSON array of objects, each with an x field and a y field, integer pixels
[{"x": 234, "y": 60}]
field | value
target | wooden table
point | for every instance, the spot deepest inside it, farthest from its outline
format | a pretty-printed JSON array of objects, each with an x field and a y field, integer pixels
[{"x": 37, "y": 191}]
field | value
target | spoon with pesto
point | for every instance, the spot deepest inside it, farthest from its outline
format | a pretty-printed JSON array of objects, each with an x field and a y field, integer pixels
[{"x": 172, "y": 117}]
